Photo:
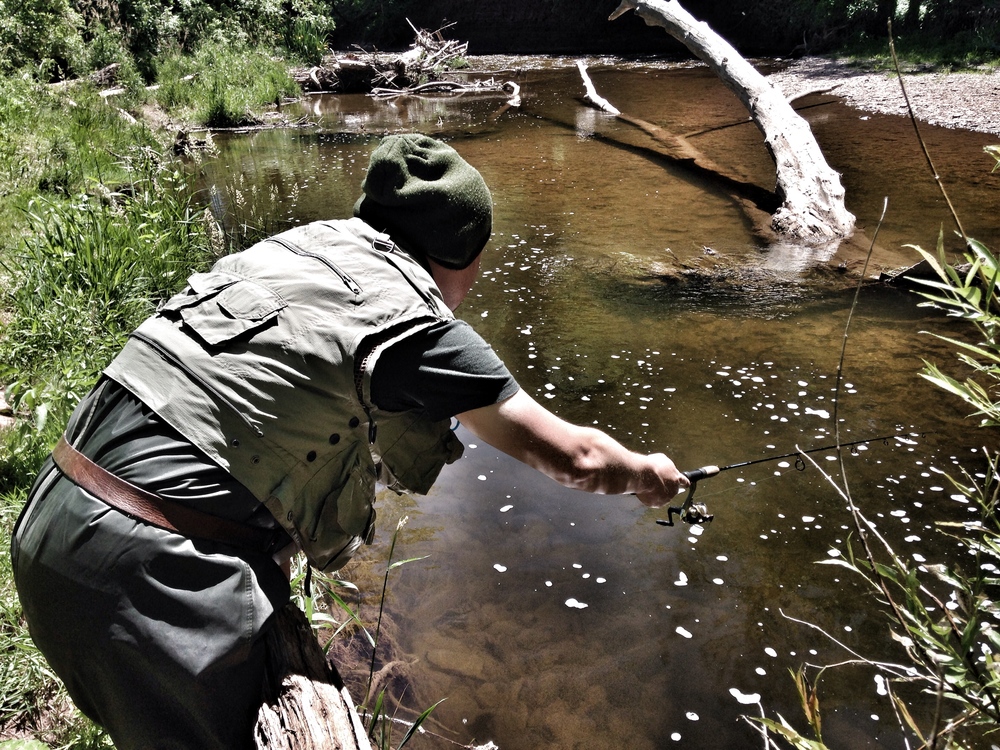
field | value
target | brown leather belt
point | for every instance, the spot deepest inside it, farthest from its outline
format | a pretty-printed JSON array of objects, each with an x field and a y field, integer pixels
[{"x": 153, "y": 509}]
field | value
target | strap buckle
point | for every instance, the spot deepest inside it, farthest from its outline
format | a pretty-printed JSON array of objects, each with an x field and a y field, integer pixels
[{"x": 384, "y": 243}]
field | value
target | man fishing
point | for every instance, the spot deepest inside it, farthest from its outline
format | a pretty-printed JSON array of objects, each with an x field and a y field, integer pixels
[{"x": 249, "y": 419}]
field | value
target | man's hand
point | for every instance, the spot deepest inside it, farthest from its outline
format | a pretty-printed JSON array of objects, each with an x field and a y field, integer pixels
[{"x": 666, "y": 482}]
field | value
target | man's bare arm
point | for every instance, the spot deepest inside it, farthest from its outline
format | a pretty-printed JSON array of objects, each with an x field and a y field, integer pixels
[{"x": 583, "y": 458}]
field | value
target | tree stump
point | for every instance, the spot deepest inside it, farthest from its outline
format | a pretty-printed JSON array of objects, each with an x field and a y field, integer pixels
[{"x": 310, "y": 708}]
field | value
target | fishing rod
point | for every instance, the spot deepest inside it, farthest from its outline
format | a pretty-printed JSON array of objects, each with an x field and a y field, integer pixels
[{"x": 697, "y": 513}]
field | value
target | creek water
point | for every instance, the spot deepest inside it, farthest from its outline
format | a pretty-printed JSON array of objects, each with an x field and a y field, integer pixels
[{"x": 551, "y": 618}]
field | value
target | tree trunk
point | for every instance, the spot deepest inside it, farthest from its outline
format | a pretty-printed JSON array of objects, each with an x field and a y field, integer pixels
[
  {"x": 311, "y": 708},
  {"x": 812, "y": 196},
  {"x": 679, "y": 148},
  {"x": 885, "y": 11}
]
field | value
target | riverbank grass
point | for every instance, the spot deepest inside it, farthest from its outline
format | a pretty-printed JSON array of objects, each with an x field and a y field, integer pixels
[
  {"x": 99, "y": 222},
  {"x": 54, "y": 142},
  {"x": 222, "y": 87}
]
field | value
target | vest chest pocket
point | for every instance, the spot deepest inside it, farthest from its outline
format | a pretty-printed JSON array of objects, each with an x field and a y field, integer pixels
[{"x": 218, "y": 307}]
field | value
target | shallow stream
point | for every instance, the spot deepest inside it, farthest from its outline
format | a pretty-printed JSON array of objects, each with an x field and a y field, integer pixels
[{"x": 551, "y": 618}]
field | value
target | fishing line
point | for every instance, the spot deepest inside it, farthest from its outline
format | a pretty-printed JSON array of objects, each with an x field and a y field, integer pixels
[
  {"x": 696, "y": 513},
  {"x": 902, "y": 438}
]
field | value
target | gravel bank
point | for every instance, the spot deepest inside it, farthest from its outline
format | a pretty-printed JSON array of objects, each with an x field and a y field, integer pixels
[{"x": 969, "y": 101}]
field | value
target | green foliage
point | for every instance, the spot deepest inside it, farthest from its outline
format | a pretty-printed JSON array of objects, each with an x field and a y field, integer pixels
[
  {"x": 86, "y": 268},
  {"x": 90, "y": 271},
  {"x": 54, "y": 141},
  {"x": 150, "y": 28},
  {"x": 228, "y": 86},
  {"x": 44, "y": 35},
  {"x": 970, "y": 294},
  {"x": 321, "y": 598},
  {"x": 307, "y": 30},
  {"x": 314, "y": 592},
  {"x": 306, "y": 39},
  {"x": 390, "y": 566},
  {"x": 380, "y": 724},
  {"x": 58, "y": 39},
  {"x": 951, "y": 32},
  {"x": 944, "y": 616},
  {"x": 108, "y": 47}
]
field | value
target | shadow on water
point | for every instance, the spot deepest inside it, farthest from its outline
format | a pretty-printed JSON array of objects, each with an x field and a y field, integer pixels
[{"x": 628, "y": 294}]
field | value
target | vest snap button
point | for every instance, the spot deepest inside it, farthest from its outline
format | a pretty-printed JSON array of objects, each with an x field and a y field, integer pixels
[
  {"x": 354, "y": 422},
  {"x": 235, "y": 443},
  {"x": 255, "y": 460},
  {"x": 311, "y": 456},
  {"x": 334, "y": 439}
]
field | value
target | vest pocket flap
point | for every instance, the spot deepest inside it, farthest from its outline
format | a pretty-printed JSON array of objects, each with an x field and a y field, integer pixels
[
  {"x": 414, "y": 450},
  {"x": 200, "y": 286},
  {"x": 236, "y": 309},
  {"x": 250, "y": 301},
  {"x": 346, "y": 510},
  {"x": 206, "y": 283}
]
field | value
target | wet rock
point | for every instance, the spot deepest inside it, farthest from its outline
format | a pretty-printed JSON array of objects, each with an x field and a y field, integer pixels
[
  {"x": 511, "y": 711},
  {"x": 463, "y": 662}
]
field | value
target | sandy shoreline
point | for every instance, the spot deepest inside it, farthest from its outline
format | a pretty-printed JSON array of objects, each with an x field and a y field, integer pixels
[{"x": 969, "y": 101}]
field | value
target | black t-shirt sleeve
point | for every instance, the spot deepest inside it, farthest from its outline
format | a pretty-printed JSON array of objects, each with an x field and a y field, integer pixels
[{"x": 443, "y": 370}]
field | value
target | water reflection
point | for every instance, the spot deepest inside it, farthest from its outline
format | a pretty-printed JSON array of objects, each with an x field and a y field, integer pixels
[{"x": 553, "y": 618}]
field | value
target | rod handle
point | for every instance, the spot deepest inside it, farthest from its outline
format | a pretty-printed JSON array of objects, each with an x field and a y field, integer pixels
[{"x": 704, "y": 472}]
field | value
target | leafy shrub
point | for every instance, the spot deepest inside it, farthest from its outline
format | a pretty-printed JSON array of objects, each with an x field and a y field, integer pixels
[
  {"x": 943, "y": 615},
  {"x": 150, "y": 29},
  {"x": 41, "y": 34}
]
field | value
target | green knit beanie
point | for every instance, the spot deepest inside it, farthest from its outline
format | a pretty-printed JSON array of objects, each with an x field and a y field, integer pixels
[{"x": 428, "y": 199}]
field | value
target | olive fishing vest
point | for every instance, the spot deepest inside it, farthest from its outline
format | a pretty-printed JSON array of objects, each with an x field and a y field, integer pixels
[{"x": 265, "y": 364}]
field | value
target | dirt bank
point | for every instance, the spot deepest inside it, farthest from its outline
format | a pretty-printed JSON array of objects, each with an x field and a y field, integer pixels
[{"x": 968, "y": 100}]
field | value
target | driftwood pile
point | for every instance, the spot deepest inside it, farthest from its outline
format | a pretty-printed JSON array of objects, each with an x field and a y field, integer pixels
[
  {"x": 361, "y": 71},
  {"x": 418, "y": 71}
]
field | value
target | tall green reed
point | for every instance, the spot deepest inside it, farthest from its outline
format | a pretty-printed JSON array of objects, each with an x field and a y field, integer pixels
[
  {"x": 943, "y": 616},
  {"x": 380, "y": 723}
]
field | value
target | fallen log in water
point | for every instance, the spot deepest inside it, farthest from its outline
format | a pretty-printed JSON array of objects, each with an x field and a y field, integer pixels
[
  {"x": 453, "y": 87},
  {"x": 757, "y": 202},
  {"x": 813, "y": 208}
]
